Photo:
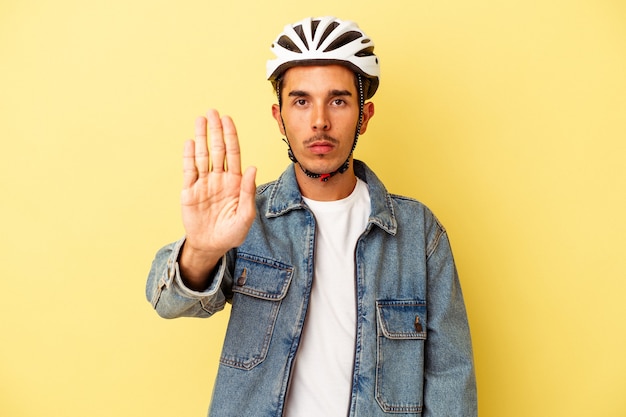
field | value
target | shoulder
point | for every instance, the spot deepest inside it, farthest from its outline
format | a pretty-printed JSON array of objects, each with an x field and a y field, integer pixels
[
  {"x": 409, "y": 206},
  {"x": 416, "y": 218}
]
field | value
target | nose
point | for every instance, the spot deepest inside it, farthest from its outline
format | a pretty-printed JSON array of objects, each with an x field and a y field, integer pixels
[{"x": 320, "y": 119}]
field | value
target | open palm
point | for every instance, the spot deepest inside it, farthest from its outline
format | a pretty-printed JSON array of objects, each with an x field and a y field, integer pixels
[{"x": 217, "y": 199}]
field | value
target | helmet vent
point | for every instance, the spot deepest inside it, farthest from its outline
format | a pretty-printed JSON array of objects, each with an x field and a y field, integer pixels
[
  {"x": 343, "y": 39},
  {"x": 314, "y": 25},
  {"x": 327, "y": 32},
  {"x": 365, "y": 52},
  {"x": 288, "y": 44},
  {"x": 298, "y": 29}
]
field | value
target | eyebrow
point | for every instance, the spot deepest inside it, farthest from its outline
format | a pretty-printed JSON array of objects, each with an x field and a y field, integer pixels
[{"x": 331, "y": 93}]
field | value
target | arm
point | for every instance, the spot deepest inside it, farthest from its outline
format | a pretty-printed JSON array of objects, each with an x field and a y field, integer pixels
[
  {"x": 450, "y": 385},
  {"x": 217, "y": 210}
]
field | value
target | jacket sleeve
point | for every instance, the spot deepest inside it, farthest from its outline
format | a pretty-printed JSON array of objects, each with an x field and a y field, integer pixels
[
  {"x": 169, "y": 296},
  {"x": 449, "y": 376}
]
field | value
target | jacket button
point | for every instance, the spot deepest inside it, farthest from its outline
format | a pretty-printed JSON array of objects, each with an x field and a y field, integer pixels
[
  {"x": 241, "y": 281},
  {"x": 418, "y": 325}
]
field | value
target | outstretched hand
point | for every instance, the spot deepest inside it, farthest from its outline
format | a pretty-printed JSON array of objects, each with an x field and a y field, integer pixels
[{"x": 217, "y": 200}]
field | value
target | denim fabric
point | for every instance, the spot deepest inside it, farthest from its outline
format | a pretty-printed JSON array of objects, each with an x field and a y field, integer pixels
[{"x": 413, "y": 354}]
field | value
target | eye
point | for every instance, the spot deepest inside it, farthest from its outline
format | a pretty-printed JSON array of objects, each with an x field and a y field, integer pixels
[
  {"x": 300, "y": 102},
  {"x": 338, "y": 102}
]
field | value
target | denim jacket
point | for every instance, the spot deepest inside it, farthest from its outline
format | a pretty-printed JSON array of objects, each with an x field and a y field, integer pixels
[{"x": 413, "y": 354}]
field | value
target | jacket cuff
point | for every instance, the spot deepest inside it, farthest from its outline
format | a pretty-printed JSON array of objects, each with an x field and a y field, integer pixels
[{"x": 174, "y": 274}]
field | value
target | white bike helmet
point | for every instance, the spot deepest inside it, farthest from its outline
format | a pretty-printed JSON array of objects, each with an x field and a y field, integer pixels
[{"x": 325, "y": 40}]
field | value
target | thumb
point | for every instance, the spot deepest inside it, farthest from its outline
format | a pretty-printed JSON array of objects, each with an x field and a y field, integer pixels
[{"x": 247, "y": 193}]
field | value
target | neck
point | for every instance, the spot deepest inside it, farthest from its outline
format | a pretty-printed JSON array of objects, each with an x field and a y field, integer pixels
[{"x": 337, "y": 187}]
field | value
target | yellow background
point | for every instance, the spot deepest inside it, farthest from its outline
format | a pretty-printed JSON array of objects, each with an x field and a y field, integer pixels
[{"x": 506, "y": 117}]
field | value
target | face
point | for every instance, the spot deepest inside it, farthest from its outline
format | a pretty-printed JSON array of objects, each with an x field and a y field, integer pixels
[{"x": 320, "y": 111}]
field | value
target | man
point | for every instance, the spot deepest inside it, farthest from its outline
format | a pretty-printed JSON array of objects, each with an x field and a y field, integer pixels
[{"x": 345, "y": 298}]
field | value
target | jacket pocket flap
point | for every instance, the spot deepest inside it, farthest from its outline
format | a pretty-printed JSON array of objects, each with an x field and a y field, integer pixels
[
  {"x": 260, "y": 277},
  {"x": 405, "y": 319}
]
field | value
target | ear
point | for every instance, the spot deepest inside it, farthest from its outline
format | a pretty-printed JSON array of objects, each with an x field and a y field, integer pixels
[
  {"x": 368, "y": 113},
  {"x": 279, "y": 119}
]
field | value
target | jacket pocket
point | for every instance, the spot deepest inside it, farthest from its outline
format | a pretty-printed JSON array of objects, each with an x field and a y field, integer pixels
[
  {"x": 401, "y": 335},
  {"x": 259, "y": 285}
]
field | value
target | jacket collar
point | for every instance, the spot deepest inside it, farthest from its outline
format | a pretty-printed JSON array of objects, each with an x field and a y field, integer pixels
[{"x": 285, "y": 196}]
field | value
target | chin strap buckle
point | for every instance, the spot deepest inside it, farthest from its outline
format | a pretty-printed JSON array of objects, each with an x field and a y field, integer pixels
[{"x": 324, "y": 177}]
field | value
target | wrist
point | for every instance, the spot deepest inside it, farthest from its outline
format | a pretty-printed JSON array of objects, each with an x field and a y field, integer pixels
[{"x": 197, "y": 265}]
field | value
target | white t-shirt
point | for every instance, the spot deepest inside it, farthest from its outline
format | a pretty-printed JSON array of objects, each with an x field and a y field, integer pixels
[{"x": 321, "y": 381}]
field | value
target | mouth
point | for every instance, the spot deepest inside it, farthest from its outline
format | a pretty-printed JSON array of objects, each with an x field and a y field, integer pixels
[{"x": 321, "y": 146}]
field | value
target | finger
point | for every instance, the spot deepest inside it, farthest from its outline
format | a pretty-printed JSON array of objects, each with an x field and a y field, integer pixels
[
  {"x": 218, "y": 149},
  {"x": 201, "y": 155},
  {"x": 233, "y": 153},
  {"x": 190, "y": 172}
]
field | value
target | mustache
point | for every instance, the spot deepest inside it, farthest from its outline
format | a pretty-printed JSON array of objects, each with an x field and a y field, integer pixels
[{"x": 321, "y": 136}]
